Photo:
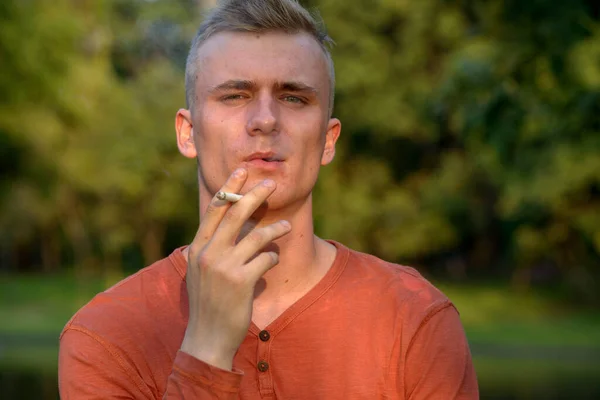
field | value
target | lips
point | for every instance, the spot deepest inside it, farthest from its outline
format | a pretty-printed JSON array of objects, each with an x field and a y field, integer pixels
[
  {"x": 268, "y": 156},
  {"x": 265, "y": 162}
]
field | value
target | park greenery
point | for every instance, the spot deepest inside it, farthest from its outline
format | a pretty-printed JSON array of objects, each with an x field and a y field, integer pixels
[
  {"x": 470, "y": 150},
  {"x": 470, "y": 145}
]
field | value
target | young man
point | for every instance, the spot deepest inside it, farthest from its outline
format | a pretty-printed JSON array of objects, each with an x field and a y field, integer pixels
[{"x": 257, "y": 306}]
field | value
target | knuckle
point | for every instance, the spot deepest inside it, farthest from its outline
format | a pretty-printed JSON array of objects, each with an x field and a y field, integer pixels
[
  {"x": 199, "y": 242},
  {"x": 257, "y": 236},
  {"x": 238, "y": 280},
  {"x": 193, "y": 250},
  {"x": 232, "y": 215},
  {"x": 211, "y": 209},
  {"x": 203, "y": 259}
]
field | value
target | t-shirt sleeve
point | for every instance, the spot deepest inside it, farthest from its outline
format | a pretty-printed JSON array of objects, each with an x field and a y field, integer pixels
[
  {"x": 438, "y": 362},
  {"x": 89, "y": 368}
]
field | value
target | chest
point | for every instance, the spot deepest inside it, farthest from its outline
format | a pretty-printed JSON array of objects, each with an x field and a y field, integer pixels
[
  {"x": 264, "y": 315},
  {"x": 316, "y": 362}
]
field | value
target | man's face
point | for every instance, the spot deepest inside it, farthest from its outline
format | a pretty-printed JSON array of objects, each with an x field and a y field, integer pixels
[{"x": 262, "y": 102}]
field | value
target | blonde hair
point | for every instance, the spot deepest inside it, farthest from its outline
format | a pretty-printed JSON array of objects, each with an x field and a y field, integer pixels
[{"x": 257, "y": 16}]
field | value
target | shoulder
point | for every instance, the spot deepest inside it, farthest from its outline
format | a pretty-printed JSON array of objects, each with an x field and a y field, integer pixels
[
  {"x": 129, "y": 303},
  {"x": 128, "y": 335},
  {"x": 395, "y": 285}
]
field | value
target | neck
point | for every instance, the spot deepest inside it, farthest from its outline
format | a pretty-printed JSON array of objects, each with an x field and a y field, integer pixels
[
  {"x": 303, "y": 257},
  {"x": 298, "y": 255}
]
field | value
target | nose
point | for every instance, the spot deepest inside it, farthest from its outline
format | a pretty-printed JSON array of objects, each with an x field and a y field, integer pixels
[{"x": 262, "y": 116}]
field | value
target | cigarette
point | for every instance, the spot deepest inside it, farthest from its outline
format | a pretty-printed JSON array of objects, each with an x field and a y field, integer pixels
[{"x": 231, "y": 197}]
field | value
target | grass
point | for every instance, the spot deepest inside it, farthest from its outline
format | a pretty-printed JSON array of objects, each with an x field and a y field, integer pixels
[
  {"x": 531, "y": 379},
  {"x": 503, "y": 316},
  {"x": 26, "y": 358},
  {"x": 39, "y": 307},
  {"x": 42, "y": 304}
]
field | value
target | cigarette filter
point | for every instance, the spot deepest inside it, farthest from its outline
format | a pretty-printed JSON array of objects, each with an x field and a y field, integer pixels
[{"x": 231, "y": 197}]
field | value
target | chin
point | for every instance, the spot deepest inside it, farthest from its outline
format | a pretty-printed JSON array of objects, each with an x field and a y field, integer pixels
[
  {"x": 276, "y": 202},
  {"x": 279, "y": 201}
]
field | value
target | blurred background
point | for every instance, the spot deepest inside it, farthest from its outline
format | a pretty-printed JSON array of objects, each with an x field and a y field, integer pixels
[{"x": 472, "y": 125}]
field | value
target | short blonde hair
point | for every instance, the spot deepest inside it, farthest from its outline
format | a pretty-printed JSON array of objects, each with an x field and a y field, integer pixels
[{"x": 257, "y": 16}]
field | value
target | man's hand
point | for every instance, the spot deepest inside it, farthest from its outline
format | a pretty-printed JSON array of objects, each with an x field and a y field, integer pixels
[{"x": 221, "y": 274}]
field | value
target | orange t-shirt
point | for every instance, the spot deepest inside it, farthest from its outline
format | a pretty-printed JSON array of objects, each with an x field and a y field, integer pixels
[{"x": 368, "y": 330}]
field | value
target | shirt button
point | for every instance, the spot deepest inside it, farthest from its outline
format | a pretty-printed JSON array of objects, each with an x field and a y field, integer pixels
[
  {"x": 264, "y": 336},
  {"x": 263, "y": 366}
]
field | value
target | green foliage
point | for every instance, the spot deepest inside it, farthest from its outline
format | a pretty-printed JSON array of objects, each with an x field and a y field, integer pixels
[
  {"x": 470, "y": 143},
  {"x": 497, "y": 109},
  {"x": 93, "y": 127}
]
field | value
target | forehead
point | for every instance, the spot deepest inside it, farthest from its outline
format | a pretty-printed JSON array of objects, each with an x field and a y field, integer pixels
[{"x": 265, "y": 58}]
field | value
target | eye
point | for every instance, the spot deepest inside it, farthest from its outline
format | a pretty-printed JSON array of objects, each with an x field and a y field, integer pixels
[
  {"x": 232, "y": 97},
  {"x": 294, "y": 99}
]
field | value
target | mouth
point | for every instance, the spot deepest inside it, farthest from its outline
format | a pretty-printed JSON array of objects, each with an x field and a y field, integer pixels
[
  {"x": 266, "y": 156},
  {"x": 271, "y": 159},
  {"x": 265, "y": 161}
]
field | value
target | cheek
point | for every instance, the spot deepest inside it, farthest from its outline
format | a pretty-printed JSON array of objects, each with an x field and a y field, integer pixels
[
  {"x": 218, "y": 136},
  {"x": 309, "y": 157}
]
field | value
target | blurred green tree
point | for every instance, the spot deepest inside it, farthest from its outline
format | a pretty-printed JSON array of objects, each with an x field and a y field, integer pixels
[
  {"x": 470, "y": 144},
  {"x": 472, "y": 135}
]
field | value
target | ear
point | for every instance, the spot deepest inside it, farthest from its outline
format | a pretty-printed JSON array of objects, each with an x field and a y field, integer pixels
[
  {"x": 334, "y": 127},
  {"x": 185, "y": 133}
]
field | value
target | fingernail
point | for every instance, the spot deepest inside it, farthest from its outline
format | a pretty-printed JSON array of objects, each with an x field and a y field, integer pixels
[
  {"x": 286, "y": 223},
  {"x": 238, "y": 173},
  {"x": 269, "y": 183}
]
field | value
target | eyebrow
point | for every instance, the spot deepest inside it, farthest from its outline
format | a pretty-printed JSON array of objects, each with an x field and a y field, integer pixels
[
  {"x": 238, "y": 84},
  {"x": 233, "y": 84},
  {"x": 297, "y": 87}
]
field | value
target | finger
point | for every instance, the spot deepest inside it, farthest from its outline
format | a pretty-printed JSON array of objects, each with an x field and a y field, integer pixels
[
  {"x": 217, "y": 208},
  {"x": 261, "y": 264},
  {"x": 258, "y": 239},
  {"x": 240, "y": 212}
]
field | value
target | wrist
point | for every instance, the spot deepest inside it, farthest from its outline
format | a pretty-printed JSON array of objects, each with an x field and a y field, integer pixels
[{"x": 207, "y": 353}]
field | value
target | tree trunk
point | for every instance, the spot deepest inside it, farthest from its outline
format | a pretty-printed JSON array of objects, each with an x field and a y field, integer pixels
[
  {"x": 521, "y": 279},
  {"x": 50, "y": 249},
  {"x": 112, "y": 268},
  {"x": 152, "y": 242},
  {"x": 80, "y": 243}
]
